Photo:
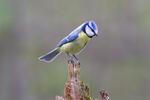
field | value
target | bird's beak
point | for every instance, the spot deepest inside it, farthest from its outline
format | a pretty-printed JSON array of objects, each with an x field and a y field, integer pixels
[{"x": 96, "y": 34}]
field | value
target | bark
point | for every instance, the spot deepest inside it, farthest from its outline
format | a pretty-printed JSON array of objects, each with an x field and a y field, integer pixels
[{"x": 76, "y": 89}]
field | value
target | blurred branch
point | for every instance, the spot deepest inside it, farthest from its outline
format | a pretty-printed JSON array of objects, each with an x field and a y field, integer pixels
[{"x": 76, "y": 89}]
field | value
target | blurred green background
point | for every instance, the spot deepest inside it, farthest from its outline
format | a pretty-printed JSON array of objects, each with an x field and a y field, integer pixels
[{"x": 117, "y": 60}]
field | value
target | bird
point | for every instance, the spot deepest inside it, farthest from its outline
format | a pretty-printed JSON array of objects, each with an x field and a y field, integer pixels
[{"x": 74, "y": 43}]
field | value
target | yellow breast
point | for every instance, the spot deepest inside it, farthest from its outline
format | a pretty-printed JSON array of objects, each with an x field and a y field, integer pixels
[{"x": 76, "y": 45}]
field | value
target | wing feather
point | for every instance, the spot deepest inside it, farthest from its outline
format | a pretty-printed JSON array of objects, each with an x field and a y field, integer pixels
[
  {"x": 67, "y": 39},
  {"x": 72, "y": 36}
]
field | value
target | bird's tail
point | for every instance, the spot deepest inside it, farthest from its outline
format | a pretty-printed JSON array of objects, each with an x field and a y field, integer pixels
[{"x": 49, "y": 57}]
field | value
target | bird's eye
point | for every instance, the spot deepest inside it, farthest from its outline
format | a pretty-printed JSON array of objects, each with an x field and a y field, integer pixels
[
  {"x": 93, "y": 26},
  {"x": 89, "y": 31},
  {"x": 92, "y": 30}
]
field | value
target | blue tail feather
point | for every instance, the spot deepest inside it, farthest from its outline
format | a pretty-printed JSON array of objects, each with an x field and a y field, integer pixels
[{"x": 49, "y": 57}]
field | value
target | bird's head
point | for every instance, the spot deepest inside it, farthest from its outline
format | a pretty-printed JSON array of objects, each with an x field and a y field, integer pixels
[{"x": 90, "y": 28}]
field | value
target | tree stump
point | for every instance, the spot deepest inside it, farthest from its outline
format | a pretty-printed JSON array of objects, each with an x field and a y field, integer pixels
[{"x": 76, "y": 89}]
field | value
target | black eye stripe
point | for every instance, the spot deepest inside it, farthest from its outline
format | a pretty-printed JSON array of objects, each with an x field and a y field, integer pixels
[{"x": 91, "y": 29}]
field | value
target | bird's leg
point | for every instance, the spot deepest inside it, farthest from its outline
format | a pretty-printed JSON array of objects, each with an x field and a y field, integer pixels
[
  {"x": 70, "y": 58},
  {"x": 76, "y": 59}
]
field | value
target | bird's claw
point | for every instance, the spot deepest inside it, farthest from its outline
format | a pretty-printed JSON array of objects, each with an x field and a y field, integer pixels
[
  {"x": 71, "y": 61},
  {"x": 78, "y": 62}
]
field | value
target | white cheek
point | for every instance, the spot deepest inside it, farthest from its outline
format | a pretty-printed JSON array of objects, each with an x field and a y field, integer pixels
[{"x": 89, "y": 31}]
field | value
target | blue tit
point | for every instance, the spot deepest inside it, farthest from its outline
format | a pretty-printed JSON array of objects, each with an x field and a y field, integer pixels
[{"x": 74, "y": 42}]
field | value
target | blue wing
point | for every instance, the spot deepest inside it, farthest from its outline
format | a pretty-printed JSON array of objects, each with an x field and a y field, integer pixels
[{"x": 72, "y": 36}]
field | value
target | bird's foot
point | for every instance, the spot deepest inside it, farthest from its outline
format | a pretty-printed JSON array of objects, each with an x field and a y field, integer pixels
[
  {"x": 78, "y": 62},
  {"x": 71, "y": 61}
]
